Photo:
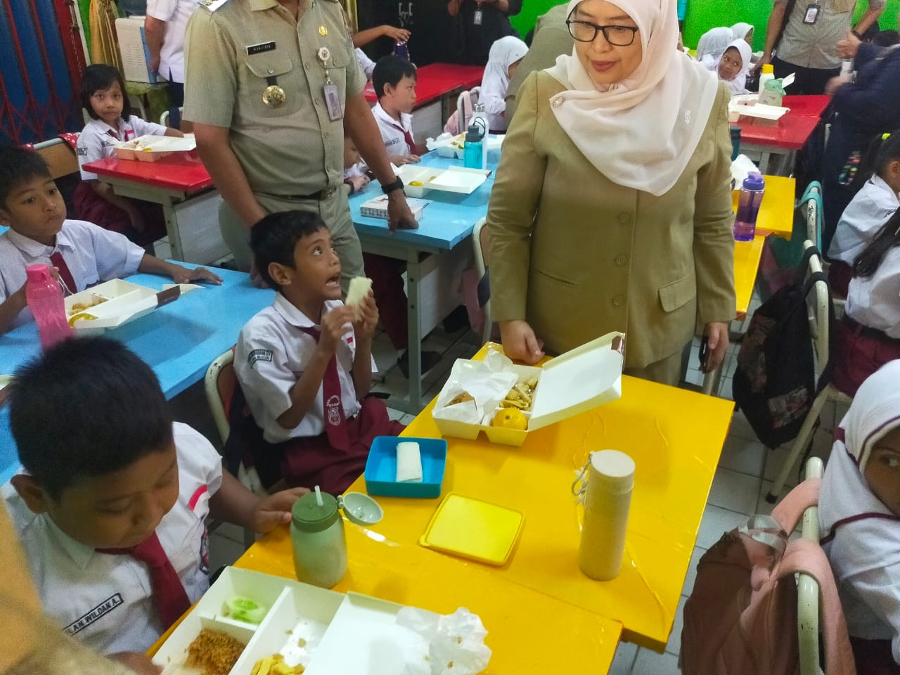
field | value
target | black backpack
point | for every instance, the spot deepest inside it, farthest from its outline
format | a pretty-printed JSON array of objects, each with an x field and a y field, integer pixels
[{"x": 775, "y": 382}]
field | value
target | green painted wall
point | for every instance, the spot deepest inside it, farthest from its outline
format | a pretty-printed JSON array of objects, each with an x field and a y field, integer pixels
[{"x": 705, "y": 14}]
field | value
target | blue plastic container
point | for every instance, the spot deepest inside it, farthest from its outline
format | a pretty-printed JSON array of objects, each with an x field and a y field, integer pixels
[{"x": 381, "y": 468}]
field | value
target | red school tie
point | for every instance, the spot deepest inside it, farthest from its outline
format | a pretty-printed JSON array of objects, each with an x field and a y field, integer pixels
[
  {"x": 410, "y": 141},
  {"x": 169, "y": 596},
  {"x": 65, "y": 274},
  {"x": 335, "y": 422}
]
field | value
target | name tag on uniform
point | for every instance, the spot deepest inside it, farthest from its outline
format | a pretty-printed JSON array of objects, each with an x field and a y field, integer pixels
[
  {"x": 260, "y": 48},
  {"x": 812, "y": 14},
  {"x": 333, "y": 101}
]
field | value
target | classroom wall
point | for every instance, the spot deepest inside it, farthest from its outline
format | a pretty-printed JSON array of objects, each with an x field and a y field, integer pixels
[{"x": 705, "y": 14}]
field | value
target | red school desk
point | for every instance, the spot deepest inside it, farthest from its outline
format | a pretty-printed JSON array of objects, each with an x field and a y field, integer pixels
[
  {"x": 182, "y": 186},
  {"x": 786, "y": 137},
  {"x": 437, "y": 80}
]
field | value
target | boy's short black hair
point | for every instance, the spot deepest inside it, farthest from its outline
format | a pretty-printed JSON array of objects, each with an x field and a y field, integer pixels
[
  {"x": 390, "y": 70},
  {"x": 86, "y": 408},
  {"x": 18, "y": 165},
  {"x": 100, "y": 77},
  {"x": 274, "y": 238}
]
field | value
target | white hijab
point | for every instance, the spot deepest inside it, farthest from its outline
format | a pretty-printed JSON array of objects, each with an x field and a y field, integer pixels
[
  {"x": 504, "y": 52},
  {"x": 713, "y": 42},
  {"x": 874, "y": 413},
  {"x": 736, "y": 84},
  {"x": 740, "y": 30},
  {"x": 640, "y": 133}
]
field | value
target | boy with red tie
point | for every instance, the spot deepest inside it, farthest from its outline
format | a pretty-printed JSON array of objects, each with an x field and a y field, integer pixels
[
  {"x": 82, "y": 253},
  {"x": 305, "y": 363},
  {"x": 112, "y": 503}
]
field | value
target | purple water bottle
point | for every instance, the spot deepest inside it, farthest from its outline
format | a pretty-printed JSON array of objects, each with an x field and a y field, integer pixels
[
  {"x": 401, "y": 50},
  {"x": 748, "y": 206},
  {"x": 45, "y": 300}
]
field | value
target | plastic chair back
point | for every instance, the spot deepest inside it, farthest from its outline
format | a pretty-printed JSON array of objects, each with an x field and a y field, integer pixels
[
  {"x": 819, "y": 323},
  {"x": 808, "y": 588}
]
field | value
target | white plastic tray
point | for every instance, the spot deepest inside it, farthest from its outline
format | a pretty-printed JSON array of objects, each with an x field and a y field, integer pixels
[
  {"x": 327, "y": 632},
  {"x": 122, "y": 302},
  {"x": 455, "y": 179},
  {"x": 153, "y": 148}
]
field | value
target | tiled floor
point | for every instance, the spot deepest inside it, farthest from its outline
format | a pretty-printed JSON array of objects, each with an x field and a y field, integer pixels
[{"x": 744, "y": 476}]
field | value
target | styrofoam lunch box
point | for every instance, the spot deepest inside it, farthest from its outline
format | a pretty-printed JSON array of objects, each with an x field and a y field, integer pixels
[
  {"x": 453, "y": 147},
  {"x": 307, "y": 625},
  {"x": 579, "y": 380},
  {"x": 381, "y": 468},
  {"x": 119, "y": 302},
  {"x": 455, "y": 179},
  {"x": 153, "y": 148}
]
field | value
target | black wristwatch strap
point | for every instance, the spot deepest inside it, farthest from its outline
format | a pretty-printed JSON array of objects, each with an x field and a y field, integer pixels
[
  {"x": 856, "y": 33},
  {"x": 391, "y": 187}
]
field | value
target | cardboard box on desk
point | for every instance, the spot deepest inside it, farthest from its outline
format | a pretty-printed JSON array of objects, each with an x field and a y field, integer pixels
[
  {"x": 115, "y": 303},
  {"x": 579, "y": 380}
]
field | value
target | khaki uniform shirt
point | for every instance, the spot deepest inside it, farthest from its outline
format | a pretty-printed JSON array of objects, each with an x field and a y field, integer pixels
[
  {"x": 235, "y": 49},
  {"x": 815, "y": 45}
]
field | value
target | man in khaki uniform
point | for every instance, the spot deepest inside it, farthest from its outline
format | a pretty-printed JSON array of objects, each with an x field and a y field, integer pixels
[
  {"x": 271, "y": 86},
  {"x": 551, "y": 38}
]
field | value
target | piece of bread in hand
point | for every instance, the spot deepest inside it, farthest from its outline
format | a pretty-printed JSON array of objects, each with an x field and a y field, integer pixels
[{"x": 357, "y": 291}]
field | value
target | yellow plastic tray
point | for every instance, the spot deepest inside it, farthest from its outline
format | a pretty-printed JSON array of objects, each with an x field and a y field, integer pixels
[{"x": 473, "y": 529}]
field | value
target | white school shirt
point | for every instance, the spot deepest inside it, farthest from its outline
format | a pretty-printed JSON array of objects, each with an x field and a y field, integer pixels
[
  {"x": 367, "y": 64},
  {"x": 392, "y": 132},
  {"x": 105, "y": 600},
  {"x": 271, "y": 355},
  {"x": 875, "y": 302},
  {"x": 862, "y": 219},
  {"x": 92, "y": 255},
  {"x": 175, "y": 14},
  {"x": 97, "y": 139}
]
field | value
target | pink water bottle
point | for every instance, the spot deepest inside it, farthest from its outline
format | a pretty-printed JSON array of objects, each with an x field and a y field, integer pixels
[
  {"x": 45, "y": 300},
  {"x": 748, "y": 206}
]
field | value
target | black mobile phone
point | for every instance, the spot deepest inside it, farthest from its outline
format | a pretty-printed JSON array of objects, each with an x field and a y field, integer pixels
[{"x": 704, "y": 351}]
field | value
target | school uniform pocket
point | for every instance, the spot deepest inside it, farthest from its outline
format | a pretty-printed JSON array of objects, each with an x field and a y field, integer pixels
[
  {"x": 677, "y": 293},
  {"x": 266, "y": 70}
]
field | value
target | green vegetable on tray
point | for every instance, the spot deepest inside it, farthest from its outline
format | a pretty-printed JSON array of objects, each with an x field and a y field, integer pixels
[{"x": 244, "y": 609}]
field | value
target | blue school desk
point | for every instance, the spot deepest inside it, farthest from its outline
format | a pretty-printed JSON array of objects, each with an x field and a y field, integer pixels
[
  {"x": 178, "y": 340},
  {"x": 444, "y": 224}
]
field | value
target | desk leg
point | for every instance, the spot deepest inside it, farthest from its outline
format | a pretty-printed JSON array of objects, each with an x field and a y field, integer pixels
[
  {"x": 172, "y": 230},
  {"x": 413, "y": 277}
]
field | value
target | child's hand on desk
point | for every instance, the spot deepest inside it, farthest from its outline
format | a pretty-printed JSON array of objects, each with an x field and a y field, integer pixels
[
  {"x": 400, "y": 160},
  {"x": 368, "y": 318},
  {"x": 185, "y": 275},
  {"x": 275, "y": 509},
  {"x": 139, "y": 663},
  {"x": 333, "y": 328}
]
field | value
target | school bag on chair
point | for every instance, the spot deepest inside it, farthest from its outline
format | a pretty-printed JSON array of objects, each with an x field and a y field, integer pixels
[
  {"x": 775, "y": 380},
  {"x": 741, "y": 618}
]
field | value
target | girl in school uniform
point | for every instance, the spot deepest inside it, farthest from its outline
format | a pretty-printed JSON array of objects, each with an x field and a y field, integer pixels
[
  {"x": 505, "y": 56},
  {"x": 859, "y": 519},
  {"x": 104, "y": 97},
  {"x": 866, "y": 214},
  {"x": 713, "y": 43},
  {"x": 732, "y": 66},
  {"x": 868, "y": 336}
]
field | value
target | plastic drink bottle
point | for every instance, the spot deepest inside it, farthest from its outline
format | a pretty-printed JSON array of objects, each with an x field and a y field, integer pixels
[
  {"x": 473, "y": 152},
  {"x": 479, "y": 118},
  {"x": 45, "y": 300},
  {"x": 748, "y": 206},
  {"x": 768, "y": 73}
]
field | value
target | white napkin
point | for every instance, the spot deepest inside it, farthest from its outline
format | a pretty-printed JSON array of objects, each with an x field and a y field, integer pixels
[
  {"x": 456, "y": 639},
  {"x": 409, "y": 462},
  {"x": 487, "y": 381}
]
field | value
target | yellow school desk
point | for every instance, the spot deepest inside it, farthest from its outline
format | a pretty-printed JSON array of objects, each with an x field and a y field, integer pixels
[
  {"x": 776, "y": 214},
  {"x": 675, "y": 438},
  {"x": 746, "y": 265}
]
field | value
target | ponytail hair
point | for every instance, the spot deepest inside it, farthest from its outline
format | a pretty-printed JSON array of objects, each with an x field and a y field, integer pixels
[
  {"x": 883, "y": 149},
  {"x": 868, "y": 262}
]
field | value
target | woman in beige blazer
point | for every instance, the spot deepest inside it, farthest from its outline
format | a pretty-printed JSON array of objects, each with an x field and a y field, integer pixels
[{"x": 612, "y": 204}]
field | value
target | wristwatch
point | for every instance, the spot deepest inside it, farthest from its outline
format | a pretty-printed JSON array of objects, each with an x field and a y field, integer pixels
[
  {"x": 856, "y": 33},
  {"x": 391, "y": 187}
]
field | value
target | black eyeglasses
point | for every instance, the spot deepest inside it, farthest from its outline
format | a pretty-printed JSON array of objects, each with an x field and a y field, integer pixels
[{"x": 617, "y": 36}]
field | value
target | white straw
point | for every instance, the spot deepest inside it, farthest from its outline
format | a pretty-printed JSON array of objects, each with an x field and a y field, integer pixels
[{"x": 319, "y": 497}]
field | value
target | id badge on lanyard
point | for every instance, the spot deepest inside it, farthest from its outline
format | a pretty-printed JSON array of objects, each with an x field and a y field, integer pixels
[
  {"x": 330, "y": 90},
  {"x": 812, "y": 14},
  {"x": 478, "y": 16}
]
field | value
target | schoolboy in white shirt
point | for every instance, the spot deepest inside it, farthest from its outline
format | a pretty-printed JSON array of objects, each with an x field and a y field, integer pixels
[
  {"x": 111, "y": 505},
  {"x": 394, "y": 80},
  {"x": 305, "y": 363},
  {"x": 39, "y": 233}
]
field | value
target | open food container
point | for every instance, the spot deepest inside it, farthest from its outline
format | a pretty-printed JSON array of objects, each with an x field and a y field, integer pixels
[
  {"x": 419, "y": 180},
  {"x": 307, "y": 629},
  {"x": 115, "y": 303},
  {"x": 453, "y": 147},
  {"x": 153, "y": 148},
  {"x": 477, "y": 392},
  {"x": 748, "y": 109}
]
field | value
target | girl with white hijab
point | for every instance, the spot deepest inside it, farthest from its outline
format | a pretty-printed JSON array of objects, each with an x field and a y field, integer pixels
[
  {"x": 732, "y": 67},
  {"x": 611, "y": 210},
  {"x": 505, "y": 55},
  {"x": 713, "y": 42},
  {"x": 743, "y": 31},
  {"x": 859, "y": 518}
]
